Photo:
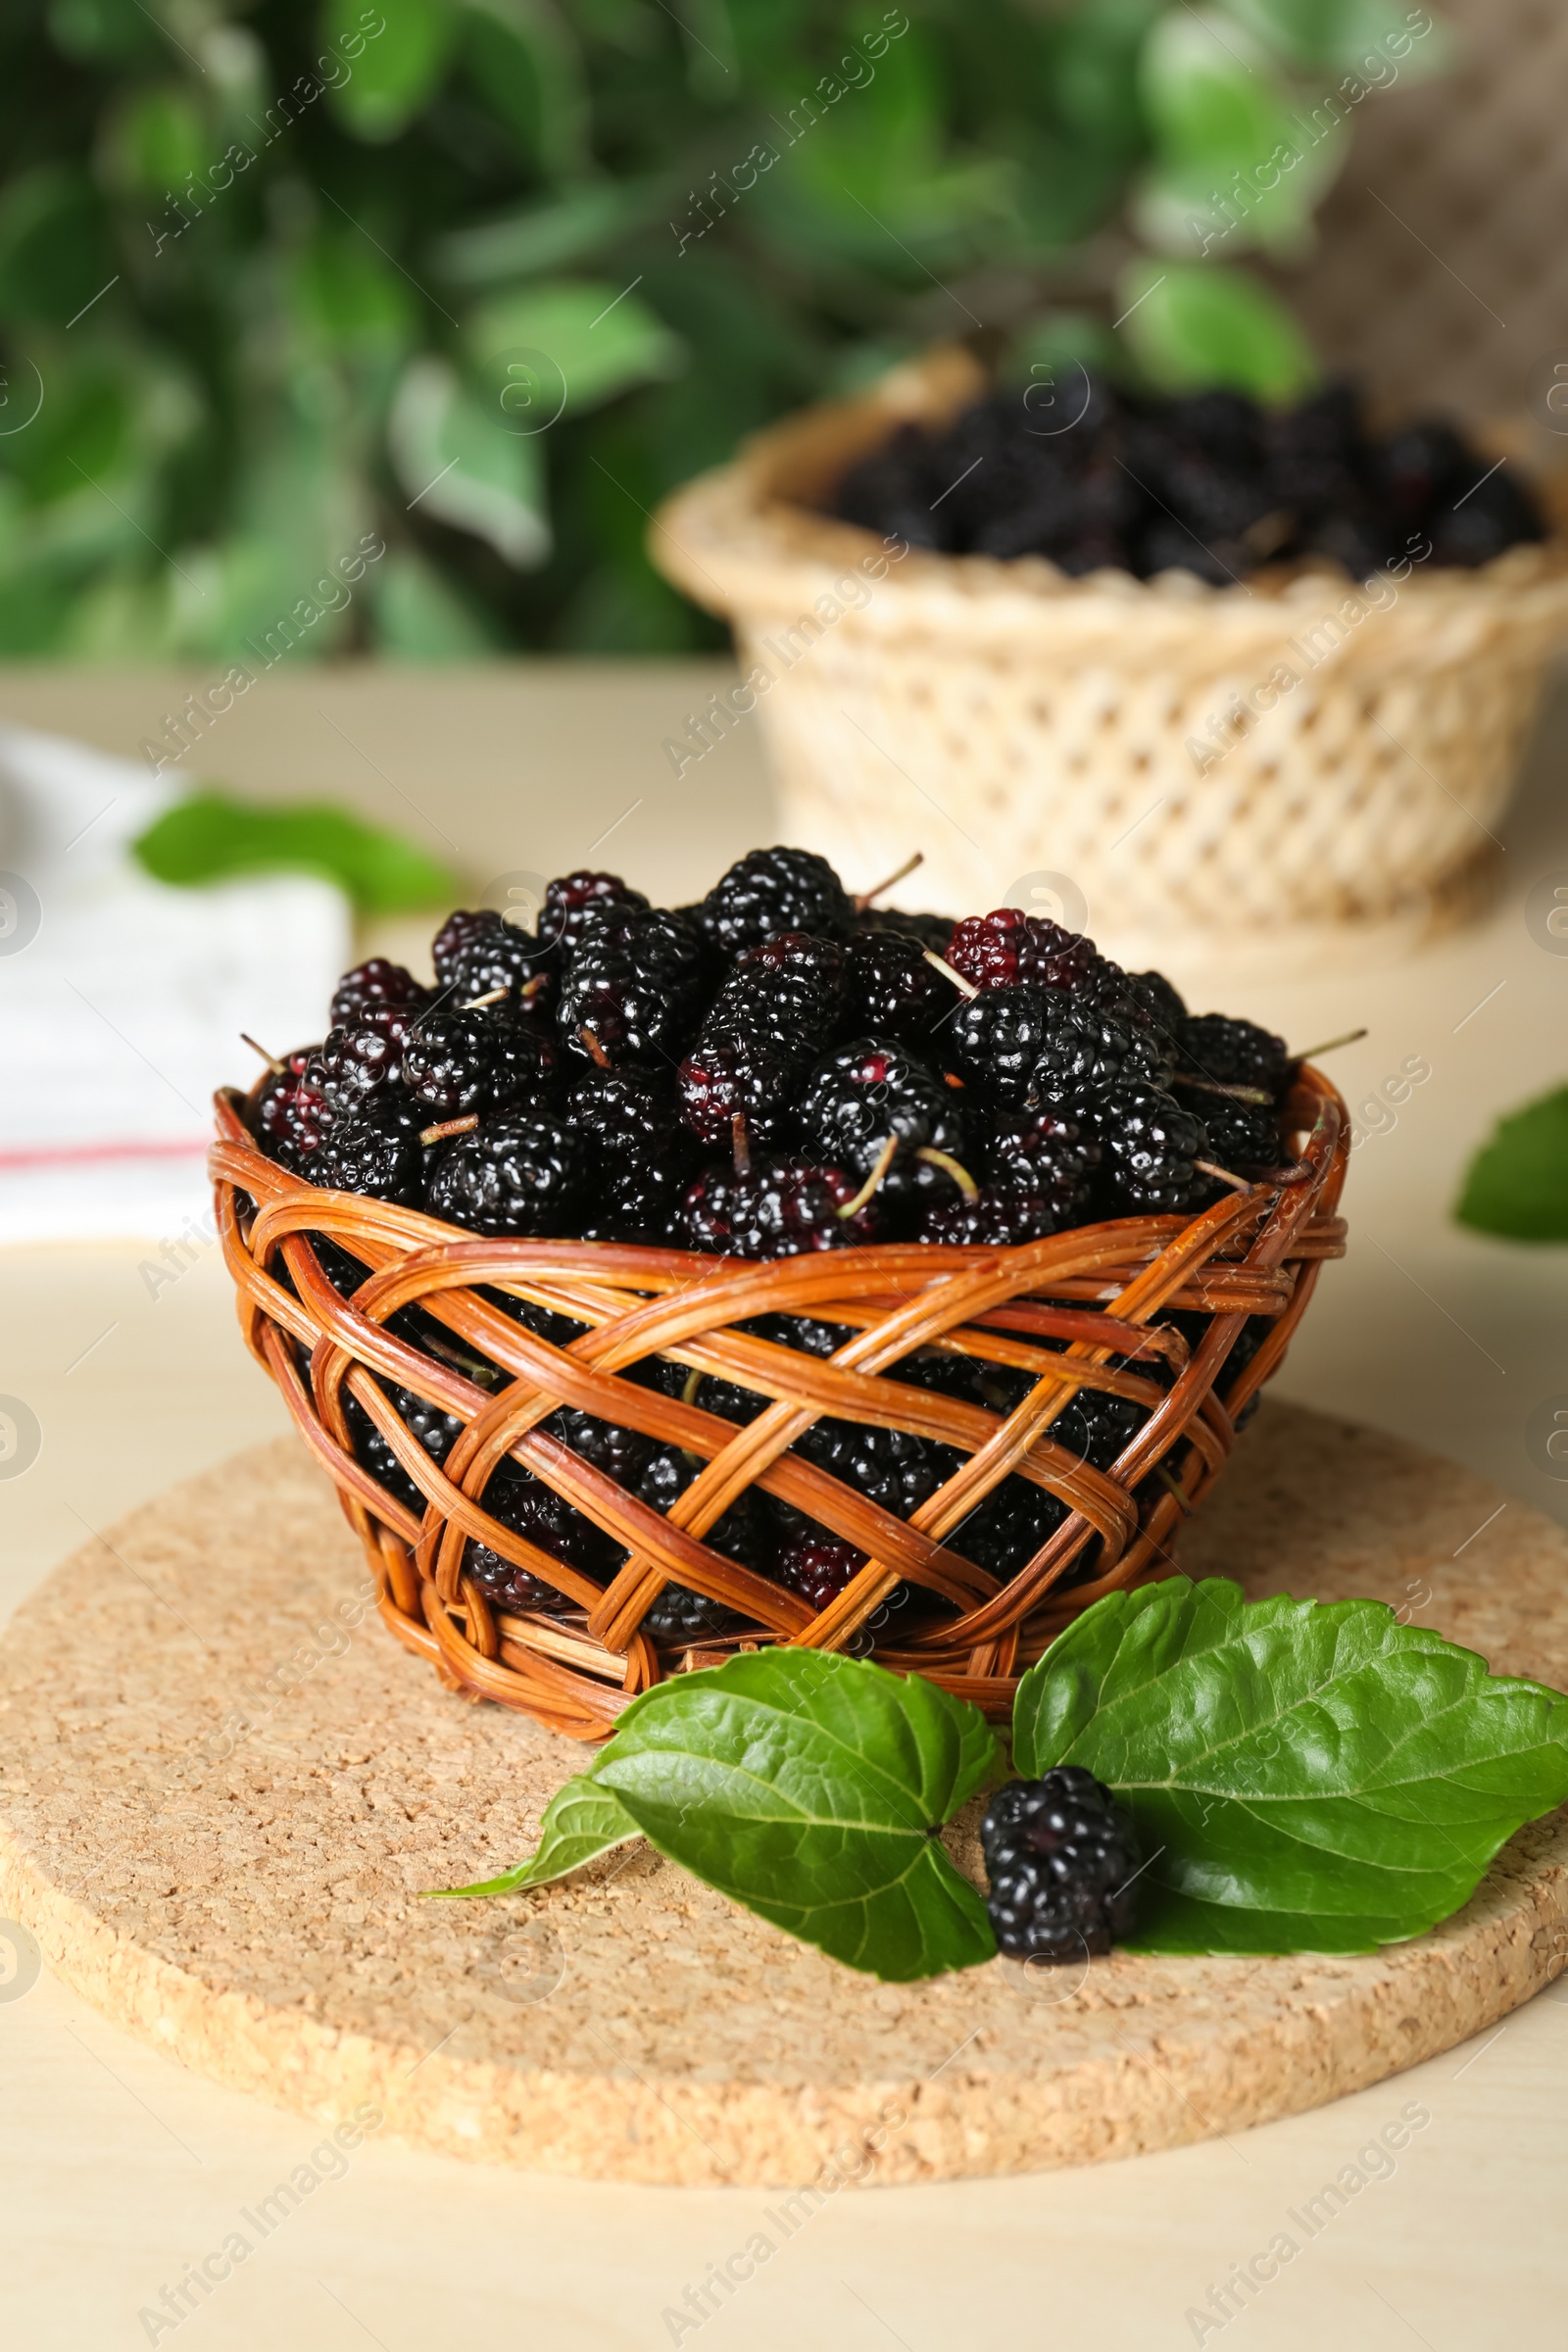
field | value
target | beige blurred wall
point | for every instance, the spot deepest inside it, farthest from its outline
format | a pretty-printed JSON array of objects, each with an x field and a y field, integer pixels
[{"x": 1441, "y": 270}]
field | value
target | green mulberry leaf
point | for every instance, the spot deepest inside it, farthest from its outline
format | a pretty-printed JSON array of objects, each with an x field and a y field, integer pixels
[
  {"x": 810, "y": 1788},
  {"x": 581, "y": 1822},
  {"x": 1517, "y": 1183},
  {"x": 212, "y": 838},
  {"x": 1305, "y": 1774}
]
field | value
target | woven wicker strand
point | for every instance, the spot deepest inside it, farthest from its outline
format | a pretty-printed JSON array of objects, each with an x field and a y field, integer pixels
[{"x": 1095, "y": 1291}]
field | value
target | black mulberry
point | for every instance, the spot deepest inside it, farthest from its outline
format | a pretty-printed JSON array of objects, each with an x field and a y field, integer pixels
[{"x": 1062, "y": 1858}]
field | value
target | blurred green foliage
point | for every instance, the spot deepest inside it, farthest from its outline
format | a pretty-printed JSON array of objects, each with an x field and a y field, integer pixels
[
  {"x": 210, "y": 837},
  {"x": 490, "y": 276},
  {"x": 1517, "y": 1183}
]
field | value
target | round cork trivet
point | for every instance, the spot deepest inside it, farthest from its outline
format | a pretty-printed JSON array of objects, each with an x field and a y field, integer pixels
[{"x": 222, "y": 1788}]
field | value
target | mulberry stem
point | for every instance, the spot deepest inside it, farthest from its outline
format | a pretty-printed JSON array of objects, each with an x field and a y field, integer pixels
[
  {"x": 908, "y": 867},
  {"x": 884, "y": 1161},
  {"x": 270, "y": 1060},
  {"x": 1329, "y": 1044},
  {"x": 1219, "y": 1086},
  {"x": 1168, "y": 1478},
  {"x": 1238, "y": 1183},
  {"x": 950, "y": 1167},
  {"x": 965, "y": 987}
]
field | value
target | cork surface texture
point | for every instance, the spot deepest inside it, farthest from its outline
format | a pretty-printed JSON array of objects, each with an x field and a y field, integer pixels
[{"x": 223, "y": 1787}]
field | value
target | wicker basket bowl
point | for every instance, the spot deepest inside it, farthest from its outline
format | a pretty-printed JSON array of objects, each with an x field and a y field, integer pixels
[
  {"x": 1122, "y": 753},
  {"x": 1061, "y": 1309}
]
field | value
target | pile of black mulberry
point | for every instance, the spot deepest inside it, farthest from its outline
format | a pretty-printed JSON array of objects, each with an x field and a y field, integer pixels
[
  {"x": 772, "y": 1070},
  {"x": 778, "y": 1068},
  {"x": 1209, "y": 484}
]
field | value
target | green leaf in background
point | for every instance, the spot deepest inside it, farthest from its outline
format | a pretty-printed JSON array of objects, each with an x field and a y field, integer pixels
[
  {"x": 1304, "y": 1776},
  {"x": 1057, "y": 345},
  {"x": 1517, "y": 1184},
  {"x": 1234, "y": 161},
  {"x": 1094, "y": 78},
  {"x": 1379, "y": 40},
  {"x": 746, "y": 205},
  {"x": 421, "y": 616},
  {"x": 1194, "y": 210},
  {"x": 348, "y": 298},
  {"x": 212, "y": 838},
  {"x": 1307, "y": 31},
  {"x": 581, "y": 1822},
  {"x": 155, "y": 138},
  {"x": 878, "y": 180},
  {"x": 54, "y": 254},
  {"x": 462, "y": 465},
  {"x": 1208, "y": 92},
  {"x": 810, "y": 1788},
  {"x": 86, "y": 430},
  {"x": 600, "y": 338},
  {"x": 105, "y": 31},
  {"x": 551, "y": 235},
  {"x": 1193, "y": 326},
  {"x": 122, "y": 611},
  {"x": 397, "y": 51},
  {"x": 524, "y": 60}
]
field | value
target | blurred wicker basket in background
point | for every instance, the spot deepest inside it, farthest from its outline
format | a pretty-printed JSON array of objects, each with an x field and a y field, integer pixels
[
  {"x": 1026, "y": 728},
  {"x": 1097, "y": 1291}
]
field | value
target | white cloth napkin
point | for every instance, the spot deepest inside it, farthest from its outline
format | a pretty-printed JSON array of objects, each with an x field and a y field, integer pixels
[{"x": 121, "y": 999}]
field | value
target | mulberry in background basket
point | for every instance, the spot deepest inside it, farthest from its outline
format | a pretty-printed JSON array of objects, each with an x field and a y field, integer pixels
[{"x": 1131, "y": 744}]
